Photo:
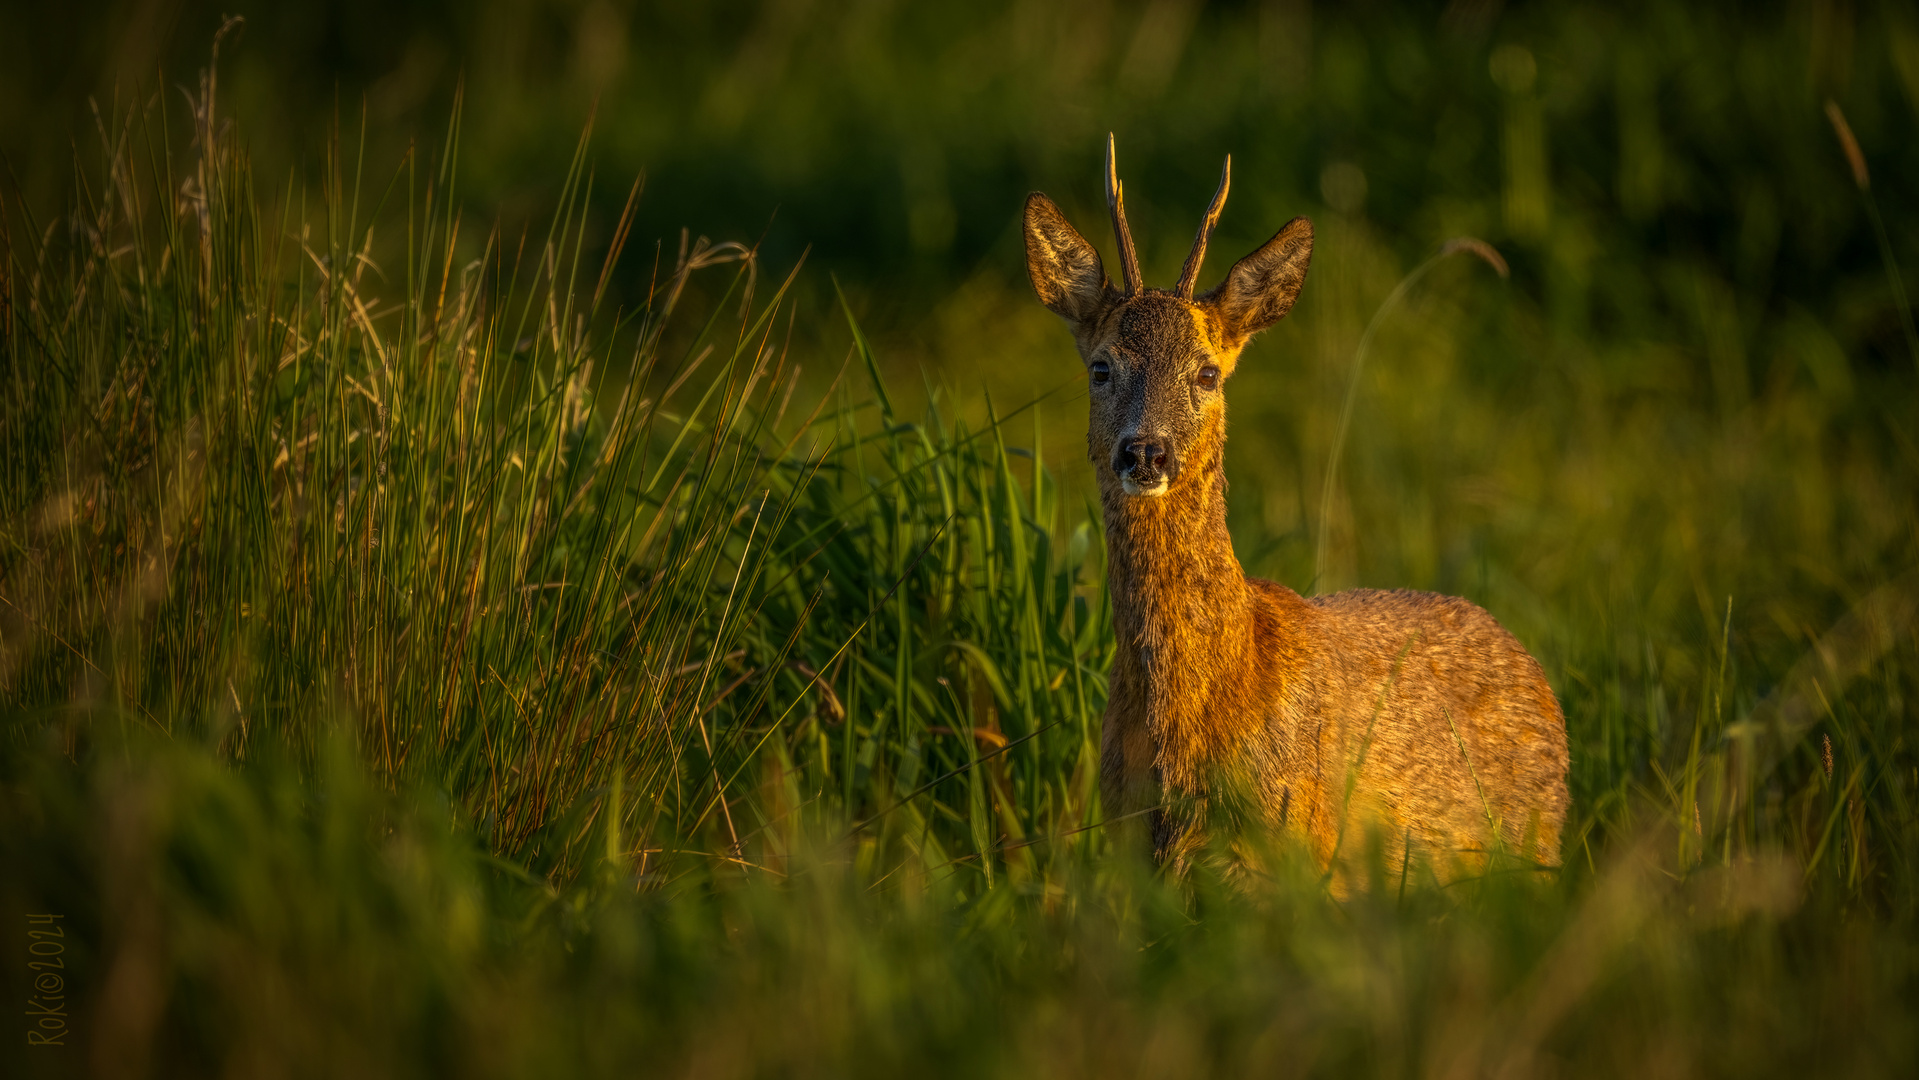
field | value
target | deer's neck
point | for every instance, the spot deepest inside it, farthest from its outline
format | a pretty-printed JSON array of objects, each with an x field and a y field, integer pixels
[{"x": 1183, "y": 616}]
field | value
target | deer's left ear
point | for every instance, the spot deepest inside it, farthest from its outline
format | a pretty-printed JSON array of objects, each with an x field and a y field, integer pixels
[{"x": 1261, "y": 287}]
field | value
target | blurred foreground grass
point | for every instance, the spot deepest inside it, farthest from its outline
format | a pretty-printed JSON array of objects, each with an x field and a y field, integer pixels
[{"x": 421, "y": 654}]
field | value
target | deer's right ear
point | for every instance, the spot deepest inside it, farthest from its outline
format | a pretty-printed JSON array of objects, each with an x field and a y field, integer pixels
[{"x": 1065, "y": 269}]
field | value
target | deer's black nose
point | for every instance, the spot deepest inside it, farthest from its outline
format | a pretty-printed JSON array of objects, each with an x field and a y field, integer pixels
[{"x": 1144, "y": 459}]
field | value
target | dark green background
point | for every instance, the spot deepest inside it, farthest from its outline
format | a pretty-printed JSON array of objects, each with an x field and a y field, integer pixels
[{"x": 896, "y": 140}]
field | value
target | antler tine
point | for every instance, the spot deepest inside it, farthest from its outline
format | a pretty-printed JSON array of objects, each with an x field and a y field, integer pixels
[
  {"x": 1128, "y": 257},
  {"x": 1189, "y": 274}
]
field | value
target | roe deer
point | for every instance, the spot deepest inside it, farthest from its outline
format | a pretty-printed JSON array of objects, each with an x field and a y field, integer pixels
[{"x": 1235, "y": 698}]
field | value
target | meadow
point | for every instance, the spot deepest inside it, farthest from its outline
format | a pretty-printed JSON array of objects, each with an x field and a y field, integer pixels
[{"x": 482, "y": 601}]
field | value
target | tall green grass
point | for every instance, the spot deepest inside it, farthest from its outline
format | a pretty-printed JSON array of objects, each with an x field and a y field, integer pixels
[
  {"x": 593, "y": 571},
  {"x": 414, "y": 664}
]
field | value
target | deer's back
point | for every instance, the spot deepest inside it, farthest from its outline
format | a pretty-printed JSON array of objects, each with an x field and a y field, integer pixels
[{"x": 1430, "y": 713}]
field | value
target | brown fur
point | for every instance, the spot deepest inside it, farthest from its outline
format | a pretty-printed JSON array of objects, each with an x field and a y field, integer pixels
[{"x": 1232, "y": 698}]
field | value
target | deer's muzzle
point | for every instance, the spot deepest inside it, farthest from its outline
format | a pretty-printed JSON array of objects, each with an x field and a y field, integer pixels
[{"x": 1146, "y": 465}]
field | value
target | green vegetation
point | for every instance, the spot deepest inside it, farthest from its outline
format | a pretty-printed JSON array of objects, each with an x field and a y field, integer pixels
[{"x": 428, "y": 647}]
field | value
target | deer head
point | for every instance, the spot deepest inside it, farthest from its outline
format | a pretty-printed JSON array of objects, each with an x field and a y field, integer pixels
[{"x": 1157, "y": 360}]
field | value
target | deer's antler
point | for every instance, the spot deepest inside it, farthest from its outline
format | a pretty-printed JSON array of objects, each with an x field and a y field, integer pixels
[
  {"x": 1189, "y": 274},
  {"x": 1128, "y": 257}
]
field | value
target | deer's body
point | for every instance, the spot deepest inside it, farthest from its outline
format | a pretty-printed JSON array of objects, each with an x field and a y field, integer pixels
[{"x": 1410, "y": 714}]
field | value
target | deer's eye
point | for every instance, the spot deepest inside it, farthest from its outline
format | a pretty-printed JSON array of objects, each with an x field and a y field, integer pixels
[
  {"x": 1101, "y": 372},
  {"x": 1209, "y": 377}
]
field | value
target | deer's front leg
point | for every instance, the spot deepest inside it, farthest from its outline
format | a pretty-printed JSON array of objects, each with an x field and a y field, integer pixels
[{"x": 1128, "y": 788}]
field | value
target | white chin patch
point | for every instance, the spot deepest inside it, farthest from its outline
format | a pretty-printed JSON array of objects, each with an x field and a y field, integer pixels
[{"x": 1133, "y": 487}]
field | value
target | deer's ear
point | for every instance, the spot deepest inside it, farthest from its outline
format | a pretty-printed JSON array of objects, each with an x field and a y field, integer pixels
[
  {"x": 1065, "y": 269},
  {"x": 1261, "y": 287}
]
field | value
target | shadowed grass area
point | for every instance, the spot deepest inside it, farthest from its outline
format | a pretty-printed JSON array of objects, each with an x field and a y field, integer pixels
[
  {"x": 417, "y": 662},
  {"x": 275, "y": 918}
]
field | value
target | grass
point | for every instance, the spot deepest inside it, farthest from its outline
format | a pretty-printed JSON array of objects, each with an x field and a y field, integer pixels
[{"x": 416, "y": 661}]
